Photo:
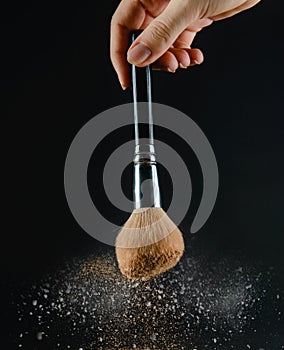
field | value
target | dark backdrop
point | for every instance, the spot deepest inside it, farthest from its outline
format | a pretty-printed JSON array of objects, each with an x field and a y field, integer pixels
[{"x": 56, "y": 75}]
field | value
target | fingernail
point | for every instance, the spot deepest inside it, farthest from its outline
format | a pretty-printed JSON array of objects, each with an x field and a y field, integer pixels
[
  {"x": 196, "y": 62},
  {"x": 123, "y": 86},
  {"x": 171, "y": 70},
  {"x": 138, "y": 54},
  {"x": 182, "y": 66}
]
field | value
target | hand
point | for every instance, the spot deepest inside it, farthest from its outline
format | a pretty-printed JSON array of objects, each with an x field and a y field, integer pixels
[{"x": 169, "y": 29}]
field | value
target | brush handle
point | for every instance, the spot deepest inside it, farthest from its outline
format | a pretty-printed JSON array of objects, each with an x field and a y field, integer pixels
[
  {"x": 146, "y": 190},
  {"x": 143, "y": 113}
]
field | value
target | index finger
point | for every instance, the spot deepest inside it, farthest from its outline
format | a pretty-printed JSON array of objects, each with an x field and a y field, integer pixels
[{"x": 129, "y": 16}]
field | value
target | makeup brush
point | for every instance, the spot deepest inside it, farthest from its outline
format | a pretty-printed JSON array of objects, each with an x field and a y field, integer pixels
[{"x": 149, "y": 243}]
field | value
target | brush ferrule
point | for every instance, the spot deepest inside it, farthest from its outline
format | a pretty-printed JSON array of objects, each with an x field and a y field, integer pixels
[
  {"x": 146, "y": 184},
  {"x": 144, "y": 152}
]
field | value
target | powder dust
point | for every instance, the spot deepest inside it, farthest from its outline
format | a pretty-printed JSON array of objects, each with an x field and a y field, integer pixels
[{"x": 197, "y": 305}]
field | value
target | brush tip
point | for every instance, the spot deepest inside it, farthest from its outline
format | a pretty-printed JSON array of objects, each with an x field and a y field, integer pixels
[{"x": 148, "y": 244}]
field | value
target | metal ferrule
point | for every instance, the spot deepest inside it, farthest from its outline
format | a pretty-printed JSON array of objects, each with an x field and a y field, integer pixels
[{"x": 146, "y": 183}]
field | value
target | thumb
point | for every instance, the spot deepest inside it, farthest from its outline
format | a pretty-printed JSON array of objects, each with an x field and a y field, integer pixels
[{"x": 162, "y": 32}]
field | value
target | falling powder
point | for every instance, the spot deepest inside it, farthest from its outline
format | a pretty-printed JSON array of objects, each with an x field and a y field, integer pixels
[{"x": 197, "y": 305}]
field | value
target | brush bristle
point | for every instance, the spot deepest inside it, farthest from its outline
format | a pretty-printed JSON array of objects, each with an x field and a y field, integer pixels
[{"x": 148, "y": 244}]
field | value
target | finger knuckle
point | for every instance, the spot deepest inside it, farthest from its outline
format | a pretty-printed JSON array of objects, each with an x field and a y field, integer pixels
[
  {"x": 113, "y": 19},
  {"x": 161, "y": 31}
]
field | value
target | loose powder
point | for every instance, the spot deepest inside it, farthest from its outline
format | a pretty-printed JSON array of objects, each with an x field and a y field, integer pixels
[{"x": 216, "y": 304}]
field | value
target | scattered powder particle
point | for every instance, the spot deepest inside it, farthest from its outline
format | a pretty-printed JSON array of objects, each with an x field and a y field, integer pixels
[
  {"x": 153, "y": 337},
  {"x": 39, "y": 335}
]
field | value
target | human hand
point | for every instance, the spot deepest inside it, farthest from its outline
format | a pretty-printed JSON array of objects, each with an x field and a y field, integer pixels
[{"x": 169, "y": 29}]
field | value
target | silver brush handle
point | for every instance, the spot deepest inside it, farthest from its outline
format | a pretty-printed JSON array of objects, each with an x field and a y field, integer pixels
[{"x": 146, "y": 183}]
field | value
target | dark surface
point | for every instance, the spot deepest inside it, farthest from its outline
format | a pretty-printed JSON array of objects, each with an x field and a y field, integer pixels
[{"x": 56, "y": 75}]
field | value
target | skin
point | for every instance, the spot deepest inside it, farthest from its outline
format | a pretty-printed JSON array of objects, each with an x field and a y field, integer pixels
[{"x": 170, "y": 27}]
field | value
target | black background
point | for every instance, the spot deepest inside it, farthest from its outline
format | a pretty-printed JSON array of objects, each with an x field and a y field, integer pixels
[{"x": 56, "y": 75}]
